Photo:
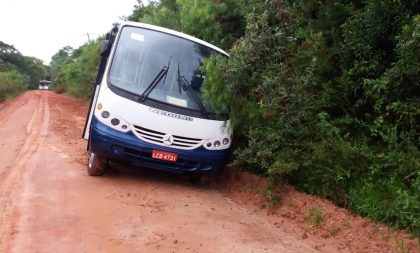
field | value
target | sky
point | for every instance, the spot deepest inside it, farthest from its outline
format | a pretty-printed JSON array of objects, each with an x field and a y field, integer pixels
[{"x": 40, "y": 28}]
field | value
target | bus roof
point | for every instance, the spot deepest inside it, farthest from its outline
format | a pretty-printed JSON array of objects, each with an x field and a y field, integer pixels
[{"x": 173, "y": 32}]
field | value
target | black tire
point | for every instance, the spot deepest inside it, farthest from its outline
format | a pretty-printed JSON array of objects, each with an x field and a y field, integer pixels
[
  {"x": 195, "y": 178},
  {"x": 96, "y": 165}
]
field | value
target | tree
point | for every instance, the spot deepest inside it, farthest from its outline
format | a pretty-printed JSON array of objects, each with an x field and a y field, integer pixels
[
  {"x": 75, "y": 69},
  {"x": 219, "y": 22},
  {"x": 18, "y": 72},
  {"x": 58, "y": 61}
]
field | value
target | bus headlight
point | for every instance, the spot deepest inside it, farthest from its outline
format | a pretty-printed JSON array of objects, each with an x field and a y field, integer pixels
[
  {"x": 218, "y": 144},
  {"x": 115, "y": 122},
  {"x": 105, "y": 114},
  {"x": 109, "y": 119}
]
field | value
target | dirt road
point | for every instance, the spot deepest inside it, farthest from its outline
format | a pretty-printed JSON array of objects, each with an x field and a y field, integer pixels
[{"x": 49, "y": 204}]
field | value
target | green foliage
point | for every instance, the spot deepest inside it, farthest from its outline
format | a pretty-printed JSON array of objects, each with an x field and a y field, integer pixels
[
  {"x": 315, "y": 216},
  {"x": 75, "y": 70},
  {"x": 218, "y": 22},
  {"x": 166, "y": 14},
  {"x": 18, "y": 72},
  {"x": 325, "y": 95},
  {"x": 198, "y": 18},
  {"x": 11, "y": 83},
  {"x": 36, "y": 71},
  {"x": 272, "y": 196},
  {"x": 58, "y": 61},
  {"x": 402, "y": 247}
]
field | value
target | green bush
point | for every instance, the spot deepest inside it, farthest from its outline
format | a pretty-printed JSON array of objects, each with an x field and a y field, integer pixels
[
  {"x": 18, "y": 72},
  {"x": 12, "y": 83},
  {"x": 325, "y": 95},
  {"x": 75, "y": 70}
]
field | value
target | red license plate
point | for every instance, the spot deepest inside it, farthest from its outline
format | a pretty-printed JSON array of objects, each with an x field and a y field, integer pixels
[{"x": 165, "y": 156}]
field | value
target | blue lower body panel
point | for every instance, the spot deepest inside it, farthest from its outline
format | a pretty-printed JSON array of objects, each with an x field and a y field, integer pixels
[{"x": 115, "y": 145}]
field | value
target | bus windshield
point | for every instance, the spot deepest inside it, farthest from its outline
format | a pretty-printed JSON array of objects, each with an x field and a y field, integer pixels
[{"x": 161, "y": 67}]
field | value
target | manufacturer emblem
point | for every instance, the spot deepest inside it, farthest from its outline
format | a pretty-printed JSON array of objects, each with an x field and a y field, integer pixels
[{"x": 168, "y": 139}]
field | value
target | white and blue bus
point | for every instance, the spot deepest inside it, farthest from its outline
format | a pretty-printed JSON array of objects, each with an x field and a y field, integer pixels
[
  {"x": 44, "y": 85},
  {"x": 147, "y": 106}
]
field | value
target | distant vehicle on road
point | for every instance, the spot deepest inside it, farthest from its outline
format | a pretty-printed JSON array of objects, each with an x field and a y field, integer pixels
[
  {"x": 44, "y": 84},
  {"x": 147, "y": 106}
]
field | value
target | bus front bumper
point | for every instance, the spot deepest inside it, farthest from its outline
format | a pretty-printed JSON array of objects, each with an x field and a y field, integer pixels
[{"x": 116, "y": 145}]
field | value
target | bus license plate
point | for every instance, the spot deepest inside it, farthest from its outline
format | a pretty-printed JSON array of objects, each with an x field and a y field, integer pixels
[{"x": 165, "y": 156}]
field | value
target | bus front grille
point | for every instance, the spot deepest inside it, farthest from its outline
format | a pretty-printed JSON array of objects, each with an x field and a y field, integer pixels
[{"x": 161, "y": 138}]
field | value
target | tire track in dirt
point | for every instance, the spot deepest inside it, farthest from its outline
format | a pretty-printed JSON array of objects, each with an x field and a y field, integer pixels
[
  {"x": 8, "y": 108},
  {"x": 14, "y": 118},
  {"x": 11, "y": 187}
]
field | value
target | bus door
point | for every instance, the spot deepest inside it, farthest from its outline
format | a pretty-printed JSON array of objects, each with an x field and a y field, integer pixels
[{"x": 105, "y": 51}]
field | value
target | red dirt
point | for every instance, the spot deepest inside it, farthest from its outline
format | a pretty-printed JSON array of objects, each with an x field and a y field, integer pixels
[
  {"x": 49, "y": 204},
  {"x": 339, "y": 231}
]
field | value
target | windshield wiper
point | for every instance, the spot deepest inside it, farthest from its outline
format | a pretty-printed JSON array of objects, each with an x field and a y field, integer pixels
[
  {"x": 186, "y": 86},
  {"x": 162, "y": 73}
]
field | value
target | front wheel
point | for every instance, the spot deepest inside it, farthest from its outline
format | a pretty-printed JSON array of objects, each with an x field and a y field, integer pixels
[
  {"x": 195, "y": 178},
  {"x": 96, "y": 165}
]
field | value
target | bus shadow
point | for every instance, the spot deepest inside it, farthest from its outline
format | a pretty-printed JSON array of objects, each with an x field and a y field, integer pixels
[{"x": 125, "y": 171}]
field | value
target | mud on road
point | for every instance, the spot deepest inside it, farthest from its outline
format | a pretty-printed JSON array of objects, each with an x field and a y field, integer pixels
[{"x": 49, "y": 204}]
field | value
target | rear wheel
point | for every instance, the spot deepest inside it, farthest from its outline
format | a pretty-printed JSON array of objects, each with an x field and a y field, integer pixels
[{"x": 96, "y": 165}]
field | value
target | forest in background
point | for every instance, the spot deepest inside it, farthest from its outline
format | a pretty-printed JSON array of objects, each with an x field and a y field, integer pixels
[
  {"x": 18, "y": 72},
  {"x": 323, "y": 94}
]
